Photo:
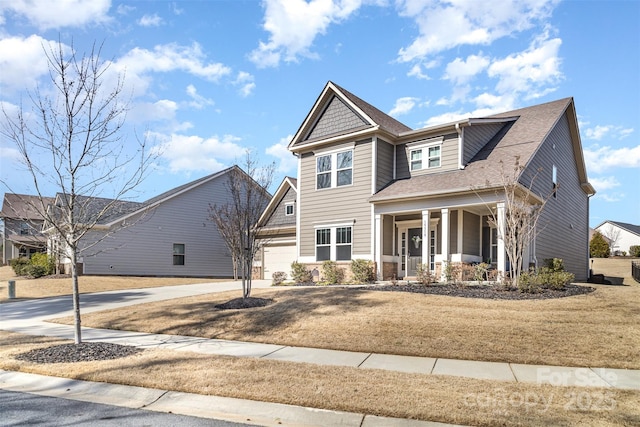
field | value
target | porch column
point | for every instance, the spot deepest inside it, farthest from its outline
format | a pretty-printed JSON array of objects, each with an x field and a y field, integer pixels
[
  {"x": 377, "y": 255},
  {"x": 444, "y": 242},
  {"x": 502, "y": 256},
  {"x": 425, "y": 236}
]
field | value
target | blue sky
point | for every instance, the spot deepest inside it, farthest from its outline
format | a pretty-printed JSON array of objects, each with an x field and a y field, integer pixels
[{"x": 210, "y": 79}]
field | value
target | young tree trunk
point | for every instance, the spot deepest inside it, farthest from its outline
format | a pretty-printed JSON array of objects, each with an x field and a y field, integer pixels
[{"x": 76, "y": 298}]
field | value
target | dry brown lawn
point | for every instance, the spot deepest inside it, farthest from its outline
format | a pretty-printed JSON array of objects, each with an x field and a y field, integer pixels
[
  {"x": 600, "y": 329},
  {"x": 50, "y": 287},
  {"x": 427, "y": 397}
]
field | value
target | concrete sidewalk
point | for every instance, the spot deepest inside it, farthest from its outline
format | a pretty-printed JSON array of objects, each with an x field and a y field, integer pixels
[{"x": 29, "y": 317}]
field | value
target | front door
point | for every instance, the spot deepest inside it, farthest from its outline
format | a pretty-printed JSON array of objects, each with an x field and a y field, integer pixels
[{"x": 413, "y": 250}]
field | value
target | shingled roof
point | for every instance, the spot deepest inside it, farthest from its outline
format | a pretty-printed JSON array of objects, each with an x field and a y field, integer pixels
[
  {"x": 521, "y": 137},
  {"x": 21, "y": 206}
]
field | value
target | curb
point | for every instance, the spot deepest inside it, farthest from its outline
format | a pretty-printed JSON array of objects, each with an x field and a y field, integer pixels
[{"x": 196, "y": 405}]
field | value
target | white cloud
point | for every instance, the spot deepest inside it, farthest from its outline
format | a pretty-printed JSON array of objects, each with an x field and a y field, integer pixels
[
  {"x": 416, "y": 71},
  {"x": 23, "y": 62},
  {"x": 189, "y": 153},
  {"x": 293, "y": 26},
  {"x": 172, "y": 57},
  {"x": 610, "y": 131},
  {"x": 161, "y": 110},
  {"x": 150, "y": 21},
  {"x": 461, "y": 71},
  {"x": 403, "y": 105},
  {"x": 599, "y": 159},
  {"x": 68, "y": 13},
  {"x": 288, "y": 163},
  {"x": 446, "y": 25},
  {"x": 9, "y": 154},
  {"x": 531, "y": 71},
  {"x": 246, "y": 83},
  {"x": 197, "y": 101},
  {"x": 604, "y": 183}
]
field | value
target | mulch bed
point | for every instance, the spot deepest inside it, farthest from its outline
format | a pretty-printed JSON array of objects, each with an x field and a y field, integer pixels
[
  {"x": 240, "y": 303},
  {"x": 483, "y": 291},
  {"x": 83, "y": 352}
]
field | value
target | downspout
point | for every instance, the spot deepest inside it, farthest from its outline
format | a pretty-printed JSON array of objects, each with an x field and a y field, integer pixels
[{"x": 590, "y": 270}]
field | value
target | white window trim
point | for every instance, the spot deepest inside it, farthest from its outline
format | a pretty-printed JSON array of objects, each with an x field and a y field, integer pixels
[
  {"x": 184, "y": 255},
  {"x": 334, "y": 167},
  {"x": 424, "y": 148},
  {"x": 554, "y": 180},
  {"x": 286, "y": 209},
  {"x": 333, "y": 237}
]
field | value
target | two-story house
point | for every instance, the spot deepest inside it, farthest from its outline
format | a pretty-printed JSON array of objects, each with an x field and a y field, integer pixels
[
  {"x": 22, "y": 235},
  {"x": 370, "y": 187}
]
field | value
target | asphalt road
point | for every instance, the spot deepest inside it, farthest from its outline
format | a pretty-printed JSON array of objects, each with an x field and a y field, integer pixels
[{"x": 24, "y": 409}]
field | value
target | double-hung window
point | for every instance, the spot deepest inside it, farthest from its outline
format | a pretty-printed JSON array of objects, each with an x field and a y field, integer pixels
[
  {"x": 425, "y": 157},
  {"x": 333, "y": 243},
  {"x": 334, "y": 169},
  {"x": 178, "y": 254}
]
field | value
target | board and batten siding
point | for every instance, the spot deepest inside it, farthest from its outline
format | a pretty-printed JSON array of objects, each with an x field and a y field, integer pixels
[
  {"x": 476, "y": 137},
  {"x": 332, "y": 205},
  {"x": 564, "y": 223},
  {"x": 471, "y": 226},
  {"x": 384, "y": 164},
  {"x": 279, "y": 217},
  {"x": 448, "y": 159},
  {"x": 146, "y": 248}
]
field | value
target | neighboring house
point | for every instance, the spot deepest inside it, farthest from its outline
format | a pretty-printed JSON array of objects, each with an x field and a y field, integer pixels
[
  {"x": 370, "y": 187},
  {"x": 168, "y": 235},
  {"x": 620, "y": 235},
  {"x": 22, "y": 235},
  {"x": 277, "y": 230}
]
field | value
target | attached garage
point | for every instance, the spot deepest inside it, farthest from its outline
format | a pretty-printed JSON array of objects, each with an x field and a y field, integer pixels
[{"x": 278, "y": 258}]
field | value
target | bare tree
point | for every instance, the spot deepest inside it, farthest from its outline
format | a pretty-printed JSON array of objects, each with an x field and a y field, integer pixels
[
  {"x": 238, "y": 218},
  {"x": 522, "y": 212},
  {"x": 71, "y": 138},
  {"x": 613, "y": 235}
]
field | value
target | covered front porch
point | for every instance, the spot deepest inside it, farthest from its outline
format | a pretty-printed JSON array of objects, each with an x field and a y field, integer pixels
[{"x": 406, "y": 237}]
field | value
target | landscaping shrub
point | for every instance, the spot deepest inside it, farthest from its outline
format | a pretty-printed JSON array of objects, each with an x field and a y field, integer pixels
[
  {"x": 43, "y": 260},
  {"x": 480, "y": 274},
  {"x": 598, "y": 246},
  {"x": 424, "y": 275},
  {"x": 331, "y": 273},
  {"x": 529, "y": 282},
  {"x": 35, "y": 271},
  {"x": 19, "y": 265},
  {"x": 634, "y": 251},
  {"x": 554, "y": 264},
  {"x": 363, "y": 271},
  {"x": 278, "y": 278},
  {"x": 300, "y": 273}
]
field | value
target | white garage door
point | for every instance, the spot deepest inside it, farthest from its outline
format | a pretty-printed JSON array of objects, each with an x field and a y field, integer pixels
[{"x": 278, "y": 258}]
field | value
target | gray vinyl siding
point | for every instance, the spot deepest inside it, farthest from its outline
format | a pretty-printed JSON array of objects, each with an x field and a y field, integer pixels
[
  {"x": 329, "y": 205},
  {"x": 471, "y": 226},
  {"x": 146, "y": 248},
  {"x": 476, "y": 137},
  {"x": 278, "y": 217},
  {"x": 448, "y": 160},
  {"x": 337, "y": 117},
  {"x": 564, "y": 223},
  {"x": 453, "y": 231},
  {"x": 384, "y": 161}
]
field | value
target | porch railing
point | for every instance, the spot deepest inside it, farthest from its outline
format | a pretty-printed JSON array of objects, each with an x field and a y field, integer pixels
[{"x": 635, "y": 270}]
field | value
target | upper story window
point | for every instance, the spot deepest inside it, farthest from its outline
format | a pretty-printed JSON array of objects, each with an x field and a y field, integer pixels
[
  {"x": 288, "y": 209},
  {"x": 334, "y": 170},
  {"x": 25, "y": 229},
  {"x": 425, "y": 157}
]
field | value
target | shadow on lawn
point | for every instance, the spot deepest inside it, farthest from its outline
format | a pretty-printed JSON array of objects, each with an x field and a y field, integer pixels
[{"x": 202, "y": 319}]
